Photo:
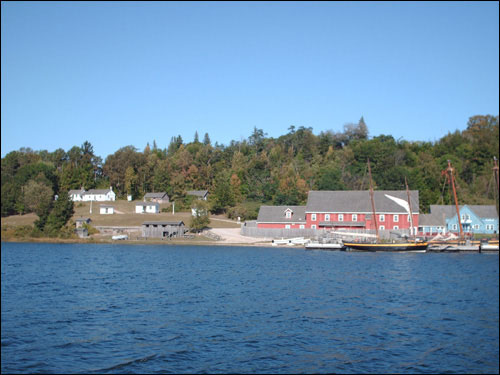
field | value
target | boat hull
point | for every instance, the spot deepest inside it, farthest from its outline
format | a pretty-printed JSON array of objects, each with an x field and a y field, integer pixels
[
  {"x": 396, "y": 247},
  {"x": 326, "y": 246}
]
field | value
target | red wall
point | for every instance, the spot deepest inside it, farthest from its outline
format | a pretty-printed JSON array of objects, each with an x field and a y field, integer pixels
[{"x": 388, "y": 223}]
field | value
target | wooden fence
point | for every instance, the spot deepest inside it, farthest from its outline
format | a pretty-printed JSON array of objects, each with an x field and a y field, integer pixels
[{"x": 253, "y": 231}]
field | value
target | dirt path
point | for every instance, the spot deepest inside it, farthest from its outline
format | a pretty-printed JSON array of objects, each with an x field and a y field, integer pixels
[{"x": 232, "y": 235}]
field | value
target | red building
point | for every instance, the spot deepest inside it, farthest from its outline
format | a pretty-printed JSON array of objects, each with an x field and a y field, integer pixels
[
  {"x": 344, "y": 210},
  {"x": 353, "y": 210}
]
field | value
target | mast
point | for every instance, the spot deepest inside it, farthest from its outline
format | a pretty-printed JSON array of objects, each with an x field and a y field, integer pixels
[
  {"x": 411, "y": 213},
  {"x": 495, "y": 171},
  {"x": 371, "y": 197},
  {"x": 452, "y": 182}
]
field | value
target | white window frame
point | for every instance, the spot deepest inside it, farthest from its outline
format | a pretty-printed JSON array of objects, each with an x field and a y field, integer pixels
[
  {"x": 327, "y": 217},
  {"x": 341, "y": 217},
  {"x": 313, "y": 226},
  {"x": 476, "y": 226},
  {"x": 381, "y": 227},
  {"x": 396, "y": 218},
  {"x": 354, "y": 217},
  {"x": 396, "y": 227},
  {"x": 288, "y": 214},
  {"x": 313, "y": 217},
  {"x": 302, "y": 226},
  {"x": 287, "y": 226},
  {"x": 454, "y": 227},
  {"x": 381, "y": 217}
]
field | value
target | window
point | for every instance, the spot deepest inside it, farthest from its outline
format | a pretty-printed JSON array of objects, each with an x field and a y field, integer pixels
[
  {"x": 396, "y": 227},
  {"x": 313, "y": 226},
  {"x": 396, "y": 219},
  {"x": 454, "y": 227},
  {"x": 288, "y": 214},
  {"x": 341, "y": 217},
  {"x": 302, "y": 226},
  {"x": 313, "y": 217},
  {"x": 476, "y": 226},
  {"x": 354, "y": 217},
  {"x": 287, "y": 226},
  {"x": 327, "y": 217},
  {"x": 381, "y": 227},
  {"x": 381, "y": 217}
]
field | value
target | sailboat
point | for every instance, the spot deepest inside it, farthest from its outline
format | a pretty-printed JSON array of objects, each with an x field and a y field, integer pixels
[{"x": 414, "y": 246}]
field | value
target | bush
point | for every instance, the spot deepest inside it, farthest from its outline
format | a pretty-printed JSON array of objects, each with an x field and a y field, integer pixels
[
  {"x": 90, "y": 229},
  {"x": 24, "y": 231},
  {"x": 246, "y": 211}
]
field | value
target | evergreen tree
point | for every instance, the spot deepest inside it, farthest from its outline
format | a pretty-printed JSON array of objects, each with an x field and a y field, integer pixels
[
  {"x": 206, "y": 140},
  {"x": 60, "y": 214}
]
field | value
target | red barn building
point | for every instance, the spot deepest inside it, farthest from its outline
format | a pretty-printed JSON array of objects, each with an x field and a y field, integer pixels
[{"x": 353, "y": 210}]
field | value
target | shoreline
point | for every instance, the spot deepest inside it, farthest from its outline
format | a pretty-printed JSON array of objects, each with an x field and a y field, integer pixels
[{"x": 137, "y": 242}]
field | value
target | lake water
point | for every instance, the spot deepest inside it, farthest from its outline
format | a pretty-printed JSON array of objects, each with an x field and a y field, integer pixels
[{"x": 78, "y": 308}]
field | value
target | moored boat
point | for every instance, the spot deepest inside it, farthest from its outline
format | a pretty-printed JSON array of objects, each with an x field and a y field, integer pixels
[
  {"x": 419, "y": 247},
  {"x": 324, "y": 246},
  {"x": 120, "y": 237}
]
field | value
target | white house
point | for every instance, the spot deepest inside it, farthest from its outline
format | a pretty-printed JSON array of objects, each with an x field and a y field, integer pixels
[
  {"x": 100, "y": 195},
  {"x": 76, "y": 195},
  {"x": 105, "y": 209},
  {"x": 147, "y": 208}
]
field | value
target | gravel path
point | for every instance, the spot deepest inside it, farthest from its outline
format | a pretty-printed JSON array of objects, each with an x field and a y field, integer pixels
[{"x": 232, "y": 235}]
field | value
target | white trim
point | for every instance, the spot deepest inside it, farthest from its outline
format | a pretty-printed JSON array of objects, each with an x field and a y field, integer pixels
[{"x": 360, "y": 212}]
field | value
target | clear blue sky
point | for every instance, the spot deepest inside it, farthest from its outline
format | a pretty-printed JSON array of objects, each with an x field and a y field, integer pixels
[{"x": 119, "y": 74}]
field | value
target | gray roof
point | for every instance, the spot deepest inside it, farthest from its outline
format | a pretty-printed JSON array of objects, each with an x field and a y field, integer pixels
[
  {"x": 160, "y": 194},
  {"x": 198, "y": 193},
  {"x": 276, "y": 214},
  {"x": 482, "y": 211},
  {"x": 433, "y": 219},
  {"x": 163, "y": 223},
  {"x": 86, "y": 219},
  {"x": 79, "y": 191},
  {"x": 98, "y": 191},
  {"x": 359, "y": 201}
]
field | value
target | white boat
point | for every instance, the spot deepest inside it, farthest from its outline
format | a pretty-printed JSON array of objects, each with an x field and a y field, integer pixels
[
  {"x": 489, "y": 247},
  {"x": 298, "y": 241},
  {"x": 120, "y": 237},
  {"x": 280, "y": 242},
  {"x": 325, "y": 246}
]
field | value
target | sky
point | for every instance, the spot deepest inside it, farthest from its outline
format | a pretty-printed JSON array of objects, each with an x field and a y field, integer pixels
[{"x": 130, "y": 73}]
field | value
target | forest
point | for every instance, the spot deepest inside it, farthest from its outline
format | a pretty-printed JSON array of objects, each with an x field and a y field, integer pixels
[{"x": 245, "y": 174}]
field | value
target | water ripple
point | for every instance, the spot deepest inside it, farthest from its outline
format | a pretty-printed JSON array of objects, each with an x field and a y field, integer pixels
[{"x": 167, "y": 309}]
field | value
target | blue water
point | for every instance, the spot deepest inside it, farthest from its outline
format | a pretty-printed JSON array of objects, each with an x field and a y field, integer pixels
[{"x": 76, "y": 308}]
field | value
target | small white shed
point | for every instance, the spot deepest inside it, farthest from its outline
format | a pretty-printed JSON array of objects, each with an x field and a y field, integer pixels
[
  {"x": 147, "y": 208},
  {"x": 105, "y": 209}
]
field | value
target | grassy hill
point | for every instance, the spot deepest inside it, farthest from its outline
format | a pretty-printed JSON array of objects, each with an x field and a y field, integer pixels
[{"x": 124, "y": 216}]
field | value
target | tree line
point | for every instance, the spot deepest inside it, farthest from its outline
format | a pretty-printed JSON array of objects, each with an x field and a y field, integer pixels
[{"x": 260, "y": 169}]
